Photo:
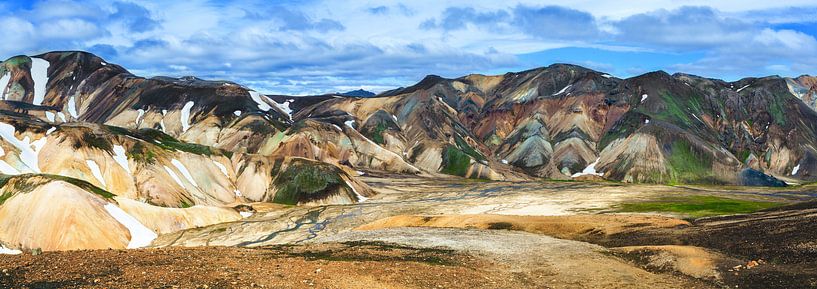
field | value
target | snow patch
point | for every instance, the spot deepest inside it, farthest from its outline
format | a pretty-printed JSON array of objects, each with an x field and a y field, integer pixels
[
  {"x": 141, "y": 113},
  {"x": 39, "y": 73},
  {"x": 72, "y": 107},
  {"x": 221, "y": 167},
  {"x": 606, "y": 76},
  {"x": 245, "y": 214},
  {"x": 7, "y": 169},
  {"x": 360, "y": 173},
  {"x": 349, "y": 123},
  {"x": 103, "y": 63},
  {"x": 589, "y": 170},
  {"x": 174, "y": 176},
  {"x": 28, "y": 150},
  {"x": 237, "y": 193},
  {"x": 186, "y": 115},
  {"x": 504, "y": 161},
  {"x": 62, "y": 116},
  {"x": 360, "y": 198},
  {"x": 646, "y": 121},
  {"x": 644, "y": 97},
  {"x": 563, "y": 90},
  {"x": 742, "y": 88},
  {"x": 180, "y": 166},
  {"x": 337, "y": 127},
  {"x": 4, "y": 82},
  {"x": 96, "y": 171},
  {"x": 140, "y": 236},
  {"x": 237, "y": 113},
  {"x": 7, "y": 251},
  {"x": 257, "y": 98},
  {"x": 795, "y": 169},
  {"x": 50, "y": 116},
  {"x": 121, "y": 158},
  {"x": 50, "y": 130}
]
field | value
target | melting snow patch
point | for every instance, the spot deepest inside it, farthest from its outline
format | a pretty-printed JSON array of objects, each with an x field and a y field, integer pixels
[
  {"x": 742, "y": 88},
  {"x": 237, "y": 193},
  {"x": 795, "y": 169},
  {"x": 141, "y": 112},
  {"x": 589, "y": 170},
  {"x": 337, "y": 127},
  {"x": 120, "y": 157},
  {"x": 4, "y": 81},
  {"x": 39, "y": 73},
  {"x": 50, "y": 130},
  {"x": 360, "y": 173},
  {"x": 62, "y": 116},
  {"x": 186, "y": 115},
  {"x": 7, "y": 169},
  {"x": 360, "y": 198},
  {"x": 50, "y": 116},
  {"x": 644, "y": 97},
  {"x": 7, "y": 251},
  {"x": 505, "y": 162},
  {"x": 140, "y": 236},
  {"x": 606, "y": 75},
  {"x": 174, "y": 176},
  {"x": 180, "y": 166},
  {"x": 285, "y": 107},
  {"x": 349, "y": 123},
  {"x": 221, "y": 167},
  {"x": 95, "y": 171},
  {"x": 103, "y": 63},
  {"x": 646, "y": 121},
  {"x": 237, "y": 113},
  {"x": 563, "y": 90},
  {"x": 72, "y": 107},
  {"x": 245, "y": 214},
  {"x": 28, "y": 150},
  {"x": 257, "y": 98}
]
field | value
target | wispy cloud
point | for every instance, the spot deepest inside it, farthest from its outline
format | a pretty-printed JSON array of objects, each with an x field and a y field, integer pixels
[{"x": 321, "y": 46}]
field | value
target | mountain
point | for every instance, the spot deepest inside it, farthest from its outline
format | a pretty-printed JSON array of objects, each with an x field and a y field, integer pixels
[
  {"x": 358, "y": 93},
  {"x": 134, "y": 157}
]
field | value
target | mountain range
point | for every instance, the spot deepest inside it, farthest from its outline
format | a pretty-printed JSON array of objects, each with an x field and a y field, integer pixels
[{"x": 125, "y": 158}]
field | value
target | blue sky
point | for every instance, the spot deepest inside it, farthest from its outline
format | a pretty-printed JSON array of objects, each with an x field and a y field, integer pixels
[{"x": 312, "y": 46}]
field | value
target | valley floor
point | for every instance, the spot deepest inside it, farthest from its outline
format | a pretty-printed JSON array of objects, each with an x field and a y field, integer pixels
[{"x": 423, "y": 233}]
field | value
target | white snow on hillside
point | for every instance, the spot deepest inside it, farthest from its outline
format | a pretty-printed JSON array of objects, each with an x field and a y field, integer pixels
[
  {"x": 222, "y": 168},
  {"x": 257, "y": 98},
  {"x": 186, "y": 115},
  {"x": 795, "y": 169},
  {"x": 563, "y": 90},
  {"x": 29, "y": 150},
  {"x": 121, "y": 158},
  {"x": 180, "y": 166},
  {"x": 141, "y": 113},
  {"x": 140, "y": 236},
  {"x": 39, "y": 73},
  {"x": 4, "y": 82},
  {"x": 742, "y": 88},
  {"x": 644, "y": 97},
  {"x": 589, "y": 170},
  {"x": 50, "y": 116},
  {"x": 7, "y": 251},
  {"x": 72, "y": 107},
  {"x": 237, "y": 113},
  {"x": 174, "y": 176},
  {"x": 96, "y": 171}
]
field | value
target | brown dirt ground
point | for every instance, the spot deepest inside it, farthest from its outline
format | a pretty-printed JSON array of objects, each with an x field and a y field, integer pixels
[{"x": 338, "y": 265}]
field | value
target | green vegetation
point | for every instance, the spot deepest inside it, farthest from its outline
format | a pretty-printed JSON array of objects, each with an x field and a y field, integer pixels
[
  {"x": 164, "y": 141},
  {"x": 140, "y": 153},
  {"x": 83, "y": 185},
  {"x": 777, "y": 111},
  {"x": 467, "y": 149},
  {"x": 688, "y": 165},
  {"x": 455, "y": 161},
  {"x": 698, "y": 206},
  {"x": 26, "y": 183},
  {"x": 376, "y": 134},
  {"x": 304, "y": 180},
  {"x": 5, "y": 196},
  {"x": 93, "y": 140}
]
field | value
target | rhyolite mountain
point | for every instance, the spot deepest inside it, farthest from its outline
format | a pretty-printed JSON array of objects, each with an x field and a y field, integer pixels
[{"x": 125, "y": 157}]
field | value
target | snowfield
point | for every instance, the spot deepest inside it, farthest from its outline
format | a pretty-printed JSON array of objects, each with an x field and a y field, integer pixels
[{"x": 140, "y": 236}]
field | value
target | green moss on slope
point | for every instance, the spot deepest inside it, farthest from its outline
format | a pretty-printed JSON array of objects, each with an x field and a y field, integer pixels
[
  {"x": 304, "y": 180},
  {"x": 455, "y": 162},
  {"x": 687, "y": 165}
]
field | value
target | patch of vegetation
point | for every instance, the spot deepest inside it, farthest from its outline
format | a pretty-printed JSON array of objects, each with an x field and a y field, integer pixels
[
  {"x": 83, "y": 185},
  {"x": 688, "y": 165},
  {"x": 376, "y": 134},
  {"x": 164, "y": 141},
  {"x": 455, "y": 162},
  {"x": 140, "y": 153},
  {"x": 698, "y": 206},
  {"x": 466, "y": 148},
  {"x": 304, "y": 180},
  {"x": 5, "y": 196},
  {"x": 93, "y": 140},
  {"x": 777, "y": 110}
]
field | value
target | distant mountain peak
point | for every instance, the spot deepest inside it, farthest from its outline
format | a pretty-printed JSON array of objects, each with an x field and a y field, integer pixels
[{"x": 358, "y": 93}]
